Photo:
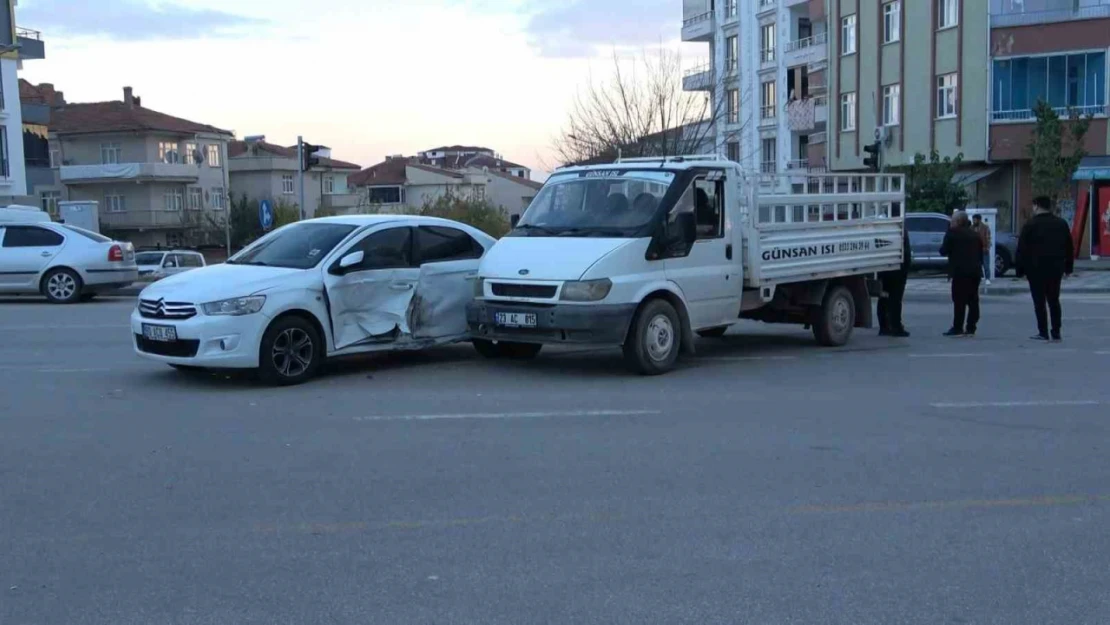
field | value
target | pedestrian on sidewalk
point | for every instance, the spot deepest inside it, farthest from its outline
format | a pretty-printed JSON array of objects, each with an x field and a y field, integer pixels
[
  {"x": 1045, "y": 255},
  {"x": 984, "y": 232},
  {"x": 894, "y": 289},
  {"x": 964, "y": 250}
]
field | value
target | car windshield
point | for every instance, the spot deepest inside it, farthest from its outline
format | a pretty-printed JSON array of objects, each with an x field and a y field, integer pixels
[
  {"x": 148, "y": 258},
  {"x": 95, "y": 236},
  {"x": 297, "y": 246},
  {"x": 605, "y": 202}
]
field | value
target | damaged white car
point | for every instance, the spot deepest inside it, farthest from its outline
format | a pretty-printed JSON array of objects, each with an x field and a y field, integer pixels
[{"x": 316, "y": 289}]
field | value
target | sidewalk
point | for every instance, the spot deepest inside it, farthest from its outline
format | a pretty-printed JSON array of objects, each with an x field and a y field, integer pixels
[{"x": 1082, "y": 281}]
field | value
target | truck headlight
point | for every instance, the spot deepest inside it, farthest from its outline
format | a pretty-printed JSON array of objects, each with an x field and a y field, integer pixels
[
  {"x": 235, "y": 307},
  {"x": 479, "y": 287},
  {"x": 587, "y": 291}
]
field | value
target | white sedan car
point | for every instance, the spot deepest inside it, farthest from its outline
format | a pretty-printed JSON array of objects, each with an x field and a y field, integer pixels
[
  {"x": 65, "y": 263},
  {"x": 316, "y": 289}
]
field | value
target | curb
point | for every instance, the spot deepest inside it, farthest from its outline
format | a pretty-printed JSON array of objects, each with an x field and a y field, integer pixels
[{"x": 1000, "y": 292}]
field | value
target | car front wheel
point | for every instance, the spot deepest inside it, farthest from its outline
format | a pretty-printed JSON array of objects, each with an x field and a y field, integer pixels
[
  {"x": 653, "y": 345},
  {"x": 291, "y": 352}
]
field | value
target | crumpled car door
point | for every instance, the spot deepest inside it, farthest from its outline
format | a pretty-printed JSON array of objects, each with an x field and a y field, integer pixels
[
  {"x": 371, "y": 306},
  {"x": 443, "y": 291}
]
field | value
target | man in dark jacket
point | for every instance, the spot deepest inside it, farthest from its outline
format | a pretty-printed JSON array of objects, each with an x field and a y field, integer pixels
[
  {"x": 964, "y": 250},
  {"x": 1045, "y": 254},
  {"x": 894, "y": 286}
]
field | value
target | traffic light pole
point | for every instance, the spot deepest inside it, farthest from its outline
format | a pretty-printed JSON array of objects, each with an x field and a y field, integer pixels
[{"x": 300, "y": 170}]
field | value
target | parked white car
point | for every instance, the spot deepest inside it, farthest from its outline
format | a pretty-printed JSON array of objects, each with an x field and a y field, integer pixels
[
  {"x": 316, "y": 289},
  {"x": 155, "y": 265},
  {"x": 65, "y": 263}
]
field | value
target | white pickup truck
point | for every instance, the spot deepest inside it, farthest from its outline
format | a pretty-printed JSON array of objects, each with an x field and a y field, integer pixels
[{"x": 646, "y": 254}]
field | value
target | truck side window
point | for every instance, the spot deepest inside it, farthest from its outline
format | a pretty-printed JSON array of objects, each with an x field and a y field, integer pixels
[{"x": 705, "y": 199}]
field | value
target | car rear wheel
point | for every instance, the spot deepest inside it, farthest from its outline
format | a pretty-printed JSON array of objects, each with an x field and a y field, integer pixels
[
  {"x": 507, "y": 349},
  {"x": 290, "y": 353},
  {"x": 62, "y": 286}
]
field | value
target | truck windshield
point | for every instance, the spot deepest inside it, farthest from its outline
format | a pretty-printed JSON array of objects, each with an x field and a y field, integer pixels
[{"x": 602, "y": 203}]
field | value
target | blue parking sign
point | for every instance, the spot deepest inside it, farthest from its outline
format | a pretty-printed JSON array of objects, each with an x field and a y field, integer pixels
[{"x": 265, "y": 214}]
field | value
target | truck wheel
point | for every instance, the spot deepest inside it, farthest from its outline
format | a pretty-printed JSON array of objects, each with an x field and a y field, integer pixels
[
  {"x": 654, "y": 343},
  {"x": 507, "y": 349},
  {"x": 713, "y": 333},
  {"x": 837, "y": 318}
]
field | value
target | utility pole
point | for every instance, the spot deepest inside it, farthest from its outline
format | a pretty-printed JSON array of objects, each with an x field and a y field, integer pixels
[{"x": 300, "y": 168}]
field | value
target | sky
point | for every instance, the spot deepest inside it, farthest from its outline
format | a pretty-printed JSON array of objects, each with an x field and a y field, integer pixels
[{"x": 365, "y": 77}]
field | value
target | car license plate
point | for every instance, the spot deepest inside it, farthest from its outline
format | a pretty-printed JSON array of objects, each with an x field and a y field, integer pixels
[
  {"x": 516, "y": 320},
  {"x": 162, "y": 334}
]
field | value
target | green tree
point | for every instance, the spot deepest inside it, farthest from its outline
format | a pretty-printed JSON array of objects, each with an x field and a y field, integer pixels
[
  {"x": 478, "y": 213},
  {"x": 929, "y": 184},
  {"x": 1056, "y": 150}
]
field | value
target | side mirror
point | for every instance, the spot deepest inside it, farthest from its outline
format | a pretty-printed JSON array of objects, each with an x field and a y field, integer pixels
[
  {"x": 514, "y": 220},
  {"x": 350, "y": 260}
]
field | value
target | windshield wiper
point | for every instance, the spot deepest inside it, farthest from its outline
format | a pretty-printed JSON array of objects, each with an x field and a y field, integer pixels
[
  {"x": 534, "y": 228},
  {"x": 592, "y": 232},
  {"x": 257, "y": 263}
]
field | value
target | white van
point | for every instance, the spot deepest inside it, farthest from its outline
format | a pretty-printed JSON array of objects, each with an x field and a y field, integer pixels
[
  {"x": 19, "y": 213},
  {"x": 647, "y": 253}
]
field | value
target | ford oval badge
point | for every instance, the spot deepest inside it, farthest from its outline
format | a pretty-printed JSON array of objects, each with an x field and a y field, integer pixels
[{"x": 523, "y": 272}]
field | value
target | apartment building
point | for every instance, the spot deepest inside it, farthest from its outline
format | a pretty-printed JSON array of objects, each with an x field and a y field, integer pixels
[
  {"x": 261, "y": 170},
  {"x": 463, "y": 157},
  {"x": 766, "y": 75},
  {"x": 158, "y": 179},
  {"x": 37, "y": 103},
  {"x": 16, "y": 45}
]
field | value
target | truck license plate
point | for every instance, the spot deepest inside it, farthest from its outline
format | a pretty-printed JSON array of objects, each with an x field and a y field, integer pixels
[
  {"x": 516, "y": 320},
  {"x": 162, "y": 334}
]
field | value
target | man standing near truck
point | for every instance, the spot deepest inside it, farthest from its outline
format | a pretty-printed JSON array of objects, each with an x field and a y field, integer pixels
[
  {"x": 964, "y": 250},
  {"x": 1045, "y": 254},
  {"x": 894, "y": 289}
]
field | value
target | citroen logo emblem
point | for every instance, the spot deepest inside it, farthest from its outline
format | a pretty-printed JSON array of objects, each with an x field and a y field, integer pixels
[{"x": 523, "y": 272}]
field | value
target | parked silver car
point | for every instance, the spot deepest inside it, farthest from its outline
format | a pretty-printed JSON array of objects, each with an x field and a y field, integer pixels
[
  {"x": 65, "y": 263},
  {"x": 927, "y": 233},
  {"x": 157, "y": 264}
]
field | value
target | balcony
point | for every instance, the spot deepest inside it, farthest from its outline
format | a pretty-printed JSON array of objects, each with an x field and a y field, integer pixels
[
  {"x": 138, "y": 172},
  {"x": 148, "y": 219},
  {"x": 817, "y": 138},
  {"x": 698, "y": 28},
  {"x": 31, "y": 46},
  {"x": 794, "y": 3},
  {"x": 339, "y": 201},
  {"x": 1028, "y": 116},
  {"x": 821, "y": 109},
  {"x": 807, "y": 51},
  {"x": 1035, "y": 12},
  {"x": 698, "y": 78}
]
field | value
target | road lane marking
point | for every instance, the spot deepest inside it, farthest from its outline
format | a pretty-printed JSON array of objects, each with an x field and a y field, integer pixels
[
  {"x": 510, "y": 415},
  {"x": 946, "y": 355},
  {"x": 1016, "y": 404},
  {"x": 63, "y": 326},
  {"x": 746, "y": 358},
  {"x": 902, "y": 506}
]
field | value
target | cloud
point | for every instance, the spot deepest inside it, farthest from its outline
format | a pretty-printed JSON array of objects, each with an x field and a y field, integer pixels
[
  {"x": 130, "y": 20},
  {"x": 578, "y": 28}
]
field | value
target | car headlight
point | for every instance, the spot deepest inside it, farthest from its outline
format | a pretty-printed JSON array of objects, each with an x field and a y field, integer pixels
[
  {"x": 587, "y": 291},
  {"x": 235, "y": 307}
]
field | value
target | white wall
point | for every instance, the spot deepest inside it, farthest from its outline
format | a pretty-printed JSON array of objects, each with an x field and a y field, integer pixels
[{"x": 16, "y": 182}]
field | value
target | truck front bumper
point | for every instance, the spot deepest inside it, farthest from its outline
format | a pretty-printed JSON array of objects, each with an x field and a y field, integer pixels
[{"x": 559, "y": 323}]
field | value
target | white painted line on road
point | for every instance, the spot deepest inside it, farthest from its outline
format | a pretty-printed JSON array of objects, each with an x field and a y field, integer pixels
[
  {"x": 26, "y": 369},
  {"x": 747, "y": 358},
  {"x": 944, "y": 355},
  {"x": 1103, "y": 353},
  {"x": 63, "y": 326},
  {"x": 1015, "y": 404},
  {"x": 511, "y": 415}
]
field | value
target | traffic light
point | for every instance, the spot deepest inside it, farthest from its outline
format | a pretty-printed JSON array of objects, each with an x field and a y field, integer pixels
[
  {"x": 872, "y": 162},
  {"x": 308, "y": 160}
]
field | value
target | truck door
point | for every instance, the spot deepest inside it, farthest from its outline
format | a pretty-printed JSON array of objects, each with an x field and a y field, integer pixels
[{"x": 709, "y": 275}]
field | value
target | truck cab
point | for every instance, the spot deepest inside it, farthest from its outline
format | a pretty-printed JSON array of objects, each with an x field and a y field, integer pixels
[{"x": 647, "y": 253}]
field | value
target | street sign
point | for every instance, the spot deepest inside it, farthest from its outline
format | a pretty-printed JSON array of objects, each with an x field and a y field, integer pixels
[{"x": 265, "y": 214}]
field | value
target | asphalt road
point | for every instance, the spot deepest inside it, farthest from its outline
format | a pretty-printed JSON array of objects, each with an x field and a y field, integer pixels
[{"x": 768, "y": 481}]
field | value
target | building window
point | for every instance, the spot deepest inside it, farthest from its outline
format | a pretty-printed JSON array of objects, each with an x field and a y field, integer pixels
[
  {"x": 191, "y": 154},
  {"x": 479, "y": 192},
  {"x": 5, "y": 166},
  {"x": 734, "y": 106},
  {"x": 848, "y": 34},
  {"x": 113, "y": 203},
  {"x": 848, "y": 112},
  {"x": 948, "y": 13},
  {"x": 50, "y": 201},
  {"x": 768, "y": 107},
  {"x": 287, "y": 184},
  {"x": 946, "y": 96},
  {"x": 55, "y": 158},
  {"x": 217, "y": 198},
  {"x": 167, "y": 152},
  {"x": 214, "y": 159},
  {"x": 386, "y": 195},
  {"x": 767, "y": 43},
  {"x": 730, "y": 8},
  {"x": 196, "y": 199},
  {"x": 329, "y": 185},
  {"x": 892, "y": 21},
  {"x": 175, "y": 199},
  {"x": 769, "y": 155},
  {"x": 892, "y": 95},
  {"x": 732, "y": 48},
  {"x": 110, "y": 153},
  {"x": 1075, "y": 81},
  {"x": 732, "y": 151}
]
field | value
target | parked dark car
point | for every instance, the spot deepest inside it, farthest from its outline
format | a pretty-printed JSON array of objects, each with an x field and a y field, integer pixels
[{"x": 927, "y": 233}]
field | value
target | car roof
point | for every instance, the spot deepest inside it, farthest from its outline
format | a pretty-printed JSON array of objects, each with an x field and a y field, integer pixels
[
  {"x": 370, "y": 220},
  {"x": 929, "y": 215}
]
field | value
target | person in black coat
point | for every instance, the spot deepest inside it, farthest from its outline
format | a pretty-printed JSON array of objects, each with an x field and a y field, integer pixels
[
  {"x": 894, "y": 285},
  {"x": 964, "y": 250},
  {"x": 1045, "y": 254}
]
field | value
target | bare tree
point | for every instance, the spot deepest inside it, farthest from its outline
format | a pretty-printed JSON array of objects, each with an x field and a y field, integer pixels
[{"x": 641, "y": 109}]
